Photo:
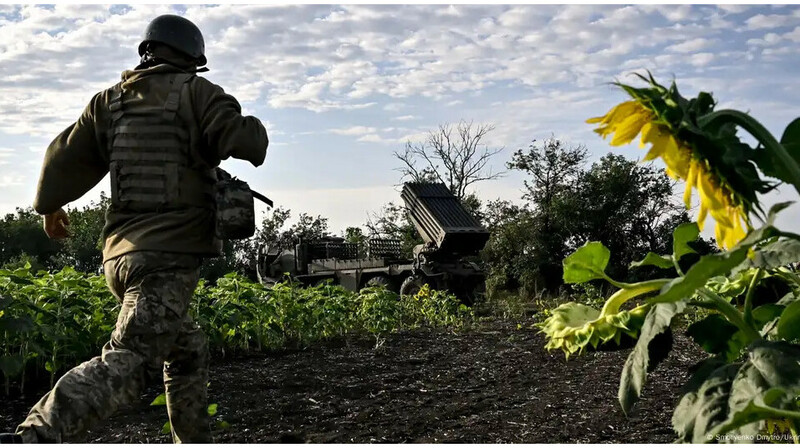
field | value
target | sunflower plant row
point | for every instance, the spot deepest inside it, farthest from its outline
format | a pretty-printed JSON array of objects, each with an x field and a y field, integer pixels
[
  {"x": 52, "y": 321},
  {"x": 749, "y": 292}
]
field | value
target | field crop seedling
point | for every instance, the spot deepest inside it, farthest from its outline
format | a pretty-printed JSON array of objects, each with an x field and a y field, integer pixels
[
  {"x": 50, "y": 322},
  {"x": 750, "y": 383}
]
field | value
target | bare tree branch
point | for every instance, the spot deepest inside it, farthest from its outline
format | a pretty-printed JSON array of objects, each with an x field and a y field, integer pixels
[{"x": 455, "y": 156}]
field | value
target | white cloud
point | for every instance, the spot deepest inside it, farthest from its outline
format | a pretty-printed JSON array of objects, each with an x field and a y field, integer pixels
[
  {"x": 10, "y": 180},
  {"x": 406, "y": 118},
  {"x": 701, "y": 59},
  {"x": 354, "y": 130},
  {"x": 354, "y": 70},
  {"x": 375, "y": 138},
  {"x": 690, "y": 46},
  {"x": 770, "y": 21}
]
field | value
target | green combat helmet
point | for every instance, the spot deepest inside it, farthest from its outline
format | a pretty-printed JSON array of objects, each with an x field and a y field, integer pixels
[{"x": 177, "y": 32}]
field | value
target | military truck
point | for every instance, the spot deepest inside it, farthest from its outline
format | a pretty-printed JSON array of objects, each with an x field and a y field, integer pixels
[{"x": 446, "y": 260}]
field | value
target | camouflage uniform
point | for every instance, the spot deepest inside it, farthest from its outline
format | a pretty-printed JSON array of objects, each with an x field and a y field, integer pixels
[
  {"x": 153, "y": 328},
  {"x": 157, "y": 230}
]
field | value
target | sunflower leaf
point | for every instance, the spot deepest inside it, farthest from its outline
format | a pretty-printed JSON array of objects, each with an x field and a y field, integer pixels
[
  {"x": 160, "y": 400},
  {"x": 681, "y": 237},
  {"x": 712, "y": 333},
  {"x": 789, "y": 323},
  {"x": 713, "y": 265},
  {"x": 776, "y": 254},
  {"x": 704, "y": 404},
  {"x": 640, "y": 361},
  {"x": 769, "y": 381},
  {"x": 587, "y": 263},
  {"x": 770, "y": 164},
  {"x": 653, "y": 259}
]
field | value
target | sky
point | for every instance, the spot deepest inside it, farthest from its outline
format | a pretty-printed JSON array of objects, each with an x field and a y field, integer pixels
[{"x": 341, "y": 88}]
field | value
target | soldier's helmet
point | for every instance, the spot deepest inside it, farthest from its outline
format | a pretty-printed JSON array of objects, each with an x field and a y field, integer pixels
[{"x": 177, "y": 32}]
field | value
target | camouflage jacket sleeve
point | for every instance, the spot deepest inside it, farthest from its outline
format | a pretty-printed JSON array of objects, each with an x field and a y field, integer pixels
[
  {"x": 73, "y": 164},
  {"x": 227, "y": 133}
]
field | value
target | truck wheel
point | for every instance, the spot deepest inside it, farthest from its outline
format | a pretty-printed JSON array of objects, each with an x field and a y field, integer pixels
[
  {"x": 411, "y": 286},
  {"x": 477, "y": 294},
  {"x": 380, "y": 280}
]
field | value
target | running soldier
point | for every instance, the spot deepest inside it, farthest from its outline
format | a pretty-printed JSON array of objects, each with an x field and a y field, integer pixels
[{"x": 160, "y": 133}]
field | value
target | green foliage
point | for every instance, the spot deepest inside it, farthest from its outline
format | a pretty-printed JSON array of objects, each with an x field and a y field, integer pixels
[
  {"x": 21, "y": 235},
  {"x": 749, "y": 295},
  {"x": 587, "y": 263},
  {"x": 639, "y": 362},
  {"x": 652, "y": 259},
  {"x": 630, "y": 209},
  {"x": 49, "y": 322}
]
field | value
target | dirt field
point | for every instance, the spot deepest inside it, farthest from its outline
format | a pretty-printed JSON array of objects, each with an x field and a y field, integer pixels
[{"x": 492, "y": 384}]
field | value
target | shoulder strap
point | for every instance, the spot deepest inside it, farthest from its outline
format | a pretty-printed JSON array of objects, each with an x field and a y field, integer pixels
[
  {"x": 174, "y": 97},
  {"x": 115, "y": 106}
]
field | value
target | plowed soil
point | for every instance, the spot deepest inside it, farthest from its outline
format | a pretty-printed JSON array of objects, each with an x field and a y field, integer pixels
[{"x": 490, "y": 384}]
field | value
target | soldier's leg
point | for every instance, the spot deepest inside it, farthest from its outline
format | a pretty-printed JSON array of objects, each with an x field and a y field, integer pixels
[
  {"x": 186, "y": 383},
  {"x": 154, "y": 305}
]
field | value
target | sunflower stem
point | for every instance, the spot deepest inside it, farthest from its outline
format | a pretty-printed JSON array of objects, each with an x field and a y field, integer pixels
[
  {"x": 748, "y": 299},
  {"x": 729, "y": 311},
  {"x": 761, "y": 134},
  {"x": 630, "y": 291}
]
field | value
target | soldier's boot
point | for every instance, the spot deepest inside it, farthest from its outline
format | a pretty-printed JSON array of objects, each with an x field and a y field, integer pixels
[{"x": 10, "y": 437}]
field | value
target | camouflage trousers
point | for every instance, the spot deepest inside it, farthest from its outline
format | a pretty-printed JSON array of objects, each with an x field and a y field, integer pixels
[{"x": 153, "y": 331}]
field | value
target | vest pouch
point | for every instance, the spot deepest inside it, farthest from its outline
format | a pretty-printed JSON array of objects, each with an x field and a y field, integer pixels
[{"x": 236, "y": 218}]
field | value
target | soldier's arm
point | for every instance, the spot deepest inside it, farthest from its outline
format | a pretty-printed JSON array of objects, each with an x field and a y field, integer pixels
[
  {"x": 73, "y": 164},
  {"x": 226, "y": 131}
]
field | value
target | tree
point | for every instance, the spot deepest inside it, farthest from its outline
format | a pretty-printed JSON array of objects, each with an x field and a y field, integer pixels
[
  {"x": 241, "y": 255},
  {"x": 628, "y": 207},
  {"x": 456, "y": 157},
  {"x": 393, "y": 222},
  {"x": 83, "y": 250},
  {"x": 22, "y": 238},
  {"x": 554, "y": 169},
  {"x": 624, "y": 205}
]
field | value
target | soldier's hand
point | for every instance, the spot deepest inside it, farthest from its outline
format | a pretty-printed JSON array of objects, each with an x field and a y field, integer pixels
[{"x": 55, "y": 224}]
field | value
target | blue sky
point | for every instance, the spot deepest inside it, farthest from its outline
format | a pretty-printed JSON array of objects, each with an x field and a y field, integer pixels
[{"x": 341, "y": 88}]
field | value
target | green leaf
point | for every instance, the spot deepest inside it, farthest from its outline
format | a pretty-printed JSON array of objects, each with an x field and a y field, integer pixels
[
  {"x": 712, "y": 333},
  {"x": 166, "y": 429},
  {"x": 746, "y": 421},
  {"x": 720, "y": 264},
  {"x": 704, "y": 404},
  {"x": 634, "y": 373},
  {"x": 770, "y": 164},
  {"x": 21, "y": 324},
  {"x": 160, "y": 400},
  {"x": 774, "y": 255},
  {"x": 681, "y": 237},
  {"x": 769, "y": 378},
  {"x": 587, "y": 263},
  {"x": 11, "y": 365},
  {"x": 767, "y": 317},
  {"x": 789, "y": 323},
  {"x": 49, "y": 366},
  {"x": 222, "y": 425},
  {"x": 653, "y": 259},
  {"x": 212, "y": 410}
]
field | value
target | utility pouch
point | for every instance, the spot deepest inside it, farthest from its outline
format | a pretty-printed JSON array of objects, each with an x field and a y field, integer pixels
[{"x": 236, "y": 218}]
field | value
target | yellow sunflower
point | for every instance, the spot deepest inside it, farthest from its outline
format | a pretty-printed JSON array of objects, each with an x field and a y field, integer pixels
[{"x": 631, "y": 118}]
